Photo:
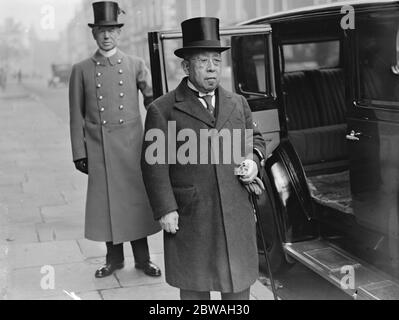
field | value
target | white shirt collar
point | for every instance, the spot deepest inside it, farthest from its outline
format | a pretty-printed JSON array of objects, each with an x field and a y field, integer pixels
[
  {"x": 201, "y": 94},
  {"x": 109, "y": 53}
]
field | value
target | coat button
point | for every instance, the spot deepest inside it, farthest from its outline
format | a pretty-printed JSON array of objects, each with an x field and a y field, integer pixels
[
  {"x": 98, "y": 63},
  {"x": 98, "y": 74},
  {"x": 119, "y": 61},
  {"x": 104, "y": 122},
  {"x": 100, "y": 97},
  {"x": 121, "y": 107},
  {"x": 120, "y": 71},
  {"x": 99, "y": 85},
  {"x": 102, "y": 109},
  {"x": 121, "y": 94},
  {"x": 121, "y": 83}
]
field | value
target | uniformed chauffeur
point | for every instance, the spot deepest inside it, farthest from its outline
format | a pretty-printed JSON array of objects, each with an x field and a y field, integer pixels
[{"x": 106, "y": 136}]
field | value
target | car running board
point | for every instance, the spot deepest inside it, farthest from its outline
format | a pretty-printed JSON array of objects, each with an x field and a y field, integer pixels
[{"x": 358, "y": 279}]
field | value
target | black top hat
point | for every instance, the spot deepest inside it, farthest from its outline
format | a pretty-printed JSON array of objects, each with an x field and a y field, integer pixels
[
  {"x": 106, "y": 14},
  {"x": 200, "y": 33}
]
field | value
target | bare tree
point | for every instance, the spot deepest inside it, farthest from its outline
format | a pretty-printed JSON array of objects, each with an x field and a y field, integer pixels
[{"x": 12, "y": 45}]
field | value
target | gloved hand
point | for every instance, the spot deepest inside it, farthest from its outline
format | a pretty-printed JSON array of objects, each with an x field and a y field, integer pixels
[
  {"x": 257, "y": 187},
  {"x": 249, "y": 171},
  {"x": 82, "y": 165}
]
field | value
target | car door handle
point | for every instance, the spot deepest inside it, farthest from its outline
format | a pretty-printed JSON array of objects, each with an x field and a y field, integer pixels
[
  {"x": 355, "y": 136},
  {"x": 352, "y": 136}
]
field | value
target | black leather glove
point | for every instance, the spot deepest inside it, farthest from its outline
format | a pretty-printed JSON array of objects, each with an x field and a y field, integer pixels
[{"x": 82, "y": 165}]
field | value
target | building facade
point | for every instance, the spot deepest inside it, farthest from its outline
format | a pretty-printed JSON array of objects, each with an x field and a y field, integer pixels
[{"x": 143, "y": 16}]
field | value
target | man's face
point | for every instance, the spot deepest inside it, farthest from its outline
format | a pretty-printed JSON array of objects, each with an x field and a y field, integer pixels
[
  {"x": 106, "y": 37},
  {"x": 203, "y": 70}
]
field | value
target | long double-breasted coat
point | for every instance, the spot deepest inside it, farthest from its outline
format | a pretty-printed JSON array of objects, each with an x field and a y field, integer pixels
[
  {"x": 106, "y": 128},
  {"x": 215, "y": 248}
]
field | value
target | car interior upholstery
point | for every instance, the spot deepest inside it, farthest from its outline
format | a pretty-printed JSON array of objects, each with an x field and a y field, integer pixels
[
  {"x": 315, "y": 108},
  {"x": 316, "y": 117}
]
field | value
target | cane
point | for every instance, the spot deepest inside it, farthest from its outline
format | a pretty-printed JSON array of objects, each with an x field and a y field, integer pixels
[{"x": 259, "y": 227}]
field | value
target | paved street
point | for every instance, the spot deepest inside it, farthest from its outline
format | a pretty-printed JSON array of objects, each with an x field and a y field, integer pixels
[{"x": 42, "y": 200}]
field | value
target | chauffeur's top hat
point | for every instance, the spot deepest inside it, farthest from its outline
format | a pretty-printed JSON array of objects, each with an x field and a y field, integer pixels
[
  {"x": 200, "y": 34},
  {"x": 106, "y": 14}
]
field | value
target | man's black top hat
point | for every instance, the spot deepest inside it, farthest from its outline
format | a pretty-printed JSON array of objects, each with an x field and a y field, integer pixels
[
  {"x": 106, "y": 14},
  {"x": 200, "y": 34}
]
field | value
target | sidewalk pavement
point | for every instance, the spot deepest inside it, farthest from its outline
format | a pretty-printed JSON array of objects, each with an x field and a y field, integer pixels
[{"x": 42, "y": 199}]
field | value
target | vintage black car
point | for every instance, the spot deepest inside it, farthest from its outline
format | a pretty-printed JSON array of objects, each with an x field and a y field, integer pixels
[
  {"x": 60, "y": 75},
  {"x": 323, "y": 85}
]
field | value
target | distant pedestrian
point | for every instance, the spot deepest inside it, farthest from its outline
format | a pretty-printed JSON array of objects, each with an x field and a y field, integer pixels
[
  {"x": 3, "y": 79},
  {"x": 19, "y": 76},
  {"x": 106, "y": 134}
]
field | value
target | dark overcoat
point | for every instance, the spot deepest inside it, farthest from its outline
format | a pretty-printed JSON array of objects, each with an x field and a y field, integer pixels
[
  {"x": 106, "y": 128},
  {"x": 215, "y": 248}
]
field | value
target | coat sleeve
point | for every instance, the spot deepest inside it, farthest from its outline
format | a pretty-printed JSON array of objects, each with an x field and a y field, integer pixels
[
  {"x": 144, "y": 82},
  {"x": 76, "y": 113},
  {"x": 256, "y": 140},
  {"x": 156, "y": 174}
]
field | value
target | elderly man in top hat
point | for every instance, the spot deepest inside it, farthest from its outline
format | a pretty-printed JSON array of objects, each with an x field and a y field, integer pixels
[
  {"x": 204, "y": 209},
  {"x": 106, "y": 135}
]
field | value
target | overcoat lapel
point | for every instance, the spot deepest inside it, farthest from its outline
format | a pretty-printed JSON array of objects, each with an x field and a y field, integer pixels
[
  {"x": 188, "y": 103},
  {"x": 226, "y": 107},
  {"x": 99, "y": 58}
]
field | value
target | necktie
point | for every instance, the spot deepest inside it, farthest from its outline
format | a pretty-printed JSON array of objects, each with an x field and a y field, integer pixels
[{"x": 208, "y": 100}]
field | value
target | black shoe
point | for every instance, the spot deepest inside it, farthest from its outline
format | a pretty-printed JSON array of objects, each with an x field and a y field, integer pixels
[
  {"x": 149, "y": 269},
  {"x": 108, "y": 269}
]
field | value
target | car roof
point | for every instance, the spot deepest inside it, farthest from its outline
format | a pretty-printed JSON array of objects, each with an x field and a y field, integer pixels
[{"x": 322, "y": 10}]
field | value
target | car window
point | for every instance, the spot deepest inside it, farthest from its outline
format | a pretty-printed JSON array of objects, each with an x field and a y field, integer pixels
[
  {"x": 250, "y": 56},
  {"x": 312, "y": 55},
  {"x": 378, "y": 43}
]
